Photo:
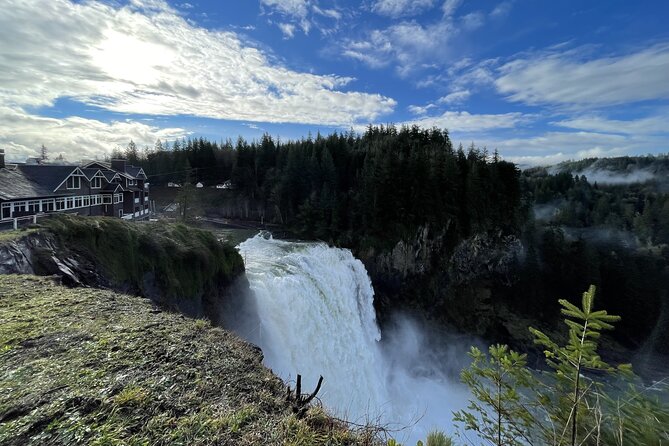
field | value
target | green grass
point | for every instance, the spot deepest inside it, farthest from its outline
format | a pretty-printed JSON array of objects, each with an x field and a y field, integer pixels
[
  {"x": 14, "y": 234},
  {"x": 85, "y": 366}
]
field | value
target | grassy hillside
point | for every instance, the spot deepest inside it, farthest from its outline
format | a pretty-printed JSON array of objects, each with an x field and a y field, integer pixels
[{"x": 85, "y": 366}]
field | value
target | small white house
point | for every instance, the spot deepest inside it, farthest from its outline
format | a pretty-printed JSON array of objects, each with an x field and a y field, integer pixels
[
  {"x": 199, "y": 185},
  {"x": 171, "y": 184},
  {"x": 225, "y": 185}
]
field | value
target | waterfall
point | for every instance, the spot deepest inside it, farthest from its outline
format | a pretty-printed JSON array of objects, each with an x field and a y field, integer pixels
[{"x": 311, "y": 311}]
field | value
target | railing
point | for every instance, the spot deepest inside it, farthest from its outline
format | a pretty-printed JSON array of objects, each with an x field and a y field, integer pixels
[
  {"x": 135, "y": 214},
  {"x": 16, "y": 222}
]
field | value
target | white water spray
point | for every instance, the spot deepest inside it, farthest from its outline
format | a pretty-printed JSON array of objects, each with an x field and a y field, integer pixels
[{"x": 312, "y": 314}]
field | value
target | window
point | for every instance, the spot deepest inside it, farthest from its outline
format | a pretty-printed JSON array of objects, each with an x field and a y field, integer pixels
[
  {"x": 96, "y": 183},
  {"x": 49, "y": 206},
  {"x": 87, "y": 200},
  {"x": 78, "y": 202},
  {"x": 107, "y": 199},
  {"x": 69, "y": 203},
  {"x": 60, "y": 204},
  {"x": 73, "y": 182},
  {"x": 6, "y": 210},
  {"x": 33, "y": 206}
]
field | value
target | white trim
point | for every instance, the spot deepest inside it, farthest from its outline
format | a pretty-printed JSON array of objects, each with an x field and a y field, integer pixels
[
  {"x": 73, "y": 177},
  {"x": 58, "y": 204},
  {"x": 71, "y": 173},
  {"x": 99, "y": 163}
]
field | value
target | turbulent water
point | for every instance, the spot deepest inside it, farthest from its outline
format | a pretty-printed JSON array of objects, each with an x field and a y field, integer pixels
[{"x": 311, "y": 311}]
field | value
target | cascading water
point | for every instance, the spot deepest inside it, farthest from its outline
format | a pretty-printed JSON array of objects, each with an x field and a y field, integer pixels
[{"x": 311, "y": 312}]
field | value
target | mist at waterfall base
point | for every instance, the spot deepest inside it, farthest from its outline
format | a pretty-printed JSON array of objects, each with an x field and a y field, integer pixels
[{"x": 311, "y": 311}]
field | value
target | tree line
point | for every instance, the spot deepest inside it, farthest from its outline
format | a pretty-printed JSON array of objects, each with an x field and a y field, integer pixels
[{"x": 354, "y": 189}]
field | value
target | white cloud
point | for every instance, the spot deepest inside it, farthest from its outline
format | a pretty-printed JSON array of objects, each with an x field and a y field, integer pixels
[
  {"x": 412, "y": 45},
  {"x": 465, "y": 122},
  {"x": 554, "y": 147},
  {"x": 304, "y": 13},
  {"x": 401, "y": 8},
  {"x": 472, "y": 21},
  {"x": 456, "y": 97},
  {"x": 331, "y": 13},
  {"x": 643, "y": 126},
  {"x": 21, "y": 134},
  {"x": 450, "y": 6},
  {"x": 406, "y": 44},
  {"x": 298, "y": 9},
  {"x": 287, "y": 29},
  {"x": 560, "y": 78},
  {"x": 501, "y": 10},
  {"x": 152, "y": 61},
  {"x": 420, "y": 109}
]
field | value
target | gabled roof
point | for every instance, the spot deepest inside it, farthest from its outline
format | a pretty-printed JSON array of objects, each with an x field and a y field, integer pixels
[
  {"x": 136, "y": 172},
  {"x": 48, "y": 176},
  {"x": 109, "y": 174},
  {"x": 14, "y": 184},
  {"x": 32, "y": 180},
  {"x": 113, "y": 187},
  {"x": 91, "y": 172},
  {"x": 76, "y": 172},
  {"x": 97, "y": 165},
  {"x": 131, "y": 172}
]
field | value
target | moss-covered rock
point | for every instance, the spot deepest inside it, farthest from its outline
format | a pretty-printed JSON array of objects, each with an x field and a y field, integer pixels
[{"x": 86, "y": 366}]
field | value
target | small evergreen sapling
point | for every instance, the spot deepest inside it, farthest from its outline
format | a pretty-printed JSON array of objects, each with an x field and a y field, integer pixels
[
  {"x": 498, "y": 413},
  {"x": 570, "y": 396}
]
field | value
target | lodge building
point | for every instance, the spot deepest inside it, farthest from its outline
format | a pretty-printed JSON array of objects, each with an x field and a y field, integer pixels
[{"x": 98, "y": 188}]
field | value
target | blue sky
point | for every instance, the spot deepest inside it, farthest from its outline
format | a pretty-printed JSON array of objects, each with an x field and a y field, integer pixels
[{"x": 542, "y": 81}]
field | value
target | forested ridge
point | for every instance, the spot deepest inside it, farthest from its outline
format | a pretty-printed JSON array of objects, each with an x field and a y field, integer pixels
[{"x": 354, "y": 189}]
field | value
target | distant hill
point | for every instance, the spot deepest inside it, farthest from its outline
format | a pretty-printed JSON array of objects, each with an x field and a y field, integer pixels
[{"x": 614, "y": 171}]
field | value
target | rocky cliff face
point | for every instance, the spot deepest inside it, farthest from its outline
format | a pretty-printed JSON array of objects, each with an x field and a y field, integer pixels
[
  {"x": 39, "y": 253},
  {"x": 426, "y": 275},
  {"x": 184, "y": 269}
]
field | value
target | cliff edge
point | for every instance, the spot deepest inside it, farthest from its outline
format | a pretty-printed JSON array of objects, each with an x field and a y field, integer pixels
[{"x": 87, "y": 366}]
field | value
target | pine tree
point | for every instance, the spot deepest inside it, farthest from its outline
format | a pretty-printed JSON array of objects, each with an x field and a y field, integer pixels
[
  {"x": 572, "y": 399},
  {"x": 498, "y": 413},
  {"x": 43, "y": 154}
]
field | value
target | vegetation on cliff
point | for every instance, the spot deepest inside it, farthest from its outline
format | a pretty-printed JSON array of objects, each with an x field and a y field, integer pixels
[
  {"x": 85, "y": 366},
  {"x": 174, "y": 264}
]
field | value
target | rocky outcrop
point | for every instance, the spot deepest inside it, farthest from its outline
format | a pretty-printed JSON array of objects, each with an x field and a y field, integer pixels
[
  {"x": 16, "y": 256},
  {"x": 414, "y": 255},
  {"x": 429, "y": 275},
  {"x": 483, "y": 256},
  {"x": 180, "y": 268},
  {"x": 38, "y": 253}
]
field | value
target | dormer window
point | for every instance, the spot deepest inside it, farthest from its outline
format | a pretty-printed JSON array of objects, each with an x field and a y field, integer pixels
[
  {"x": 74, "y": 182},
  {"x": 96, "y": 183}
]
